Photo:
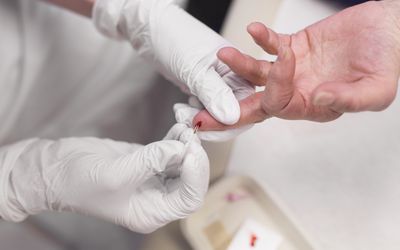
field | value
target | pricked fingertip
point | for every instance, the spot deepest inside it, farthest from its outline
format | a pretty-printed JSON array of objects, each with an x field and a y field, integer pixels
[
  {"x": 198, "y": 124},
  {"x": 208, "y": 123},
  {"x": 198, "y": 120}
]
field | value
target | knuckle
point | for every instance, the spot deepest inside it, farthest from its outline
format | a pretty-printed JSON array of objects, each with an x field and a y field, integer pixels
[
  {"x": 351, "y": 105},
  {"x": 261, "y": 74},
  {"x": 276, "y": 102},
  {"x": 266, "y": 106}
]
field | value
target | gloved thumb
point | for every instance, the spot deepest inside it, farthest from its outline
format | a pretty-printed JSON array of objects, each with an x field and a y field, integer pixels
[{"x": 217, "y": 97}]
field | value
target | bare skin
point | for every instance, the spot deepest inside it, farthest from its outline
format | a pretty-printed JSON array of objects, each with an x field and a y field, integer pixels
[
  {"x": 82, "y": 7},
  {"x": 349, "y": 62}
]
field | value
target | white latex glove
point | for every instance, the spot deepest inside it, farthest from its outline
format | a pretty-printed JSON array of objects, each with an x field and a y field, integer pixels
[
  {"x": 183, "y": 49},
  {"x": 120, "y": 182}
]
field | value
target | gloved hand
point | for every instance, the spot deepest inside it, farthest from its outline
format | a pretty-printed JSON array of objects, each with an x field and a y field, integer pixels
[
  {"x": 183, "y": 49},
  {"x": 127, "y": 184}
]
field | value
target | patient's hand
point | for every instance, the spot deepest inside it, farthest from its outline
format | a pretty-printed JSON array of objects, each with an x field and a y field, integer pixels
[{"x": 349, "y": 62}]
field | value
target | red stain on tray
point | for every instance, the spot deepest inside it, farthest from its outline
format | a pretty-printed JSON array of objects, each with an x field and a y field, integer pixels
[{"x": 253, "y": 240}]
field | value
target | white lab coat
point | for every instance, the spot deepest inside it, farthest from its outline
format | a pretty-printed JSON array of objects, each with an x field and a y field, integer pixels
[{"x": 59, "y": 77}]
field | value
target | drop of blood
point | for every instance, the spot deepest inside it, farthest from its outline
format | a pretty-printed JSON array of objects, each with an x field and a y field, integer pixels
[{"x": 199, "y": 124}]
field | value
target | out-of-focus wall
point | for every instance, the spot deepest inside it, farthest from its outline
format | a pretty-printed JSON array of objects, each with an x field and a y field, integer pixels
[{"x": 244, "y": 12}]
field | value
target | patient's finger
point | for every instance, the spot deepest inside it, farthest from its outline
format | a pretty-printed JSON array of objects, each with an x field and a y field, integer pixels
[
  {"x": 280, "y": 89},
  {"x": 266, "y": 38},
  {"x": 251, "y": 112},
  {"x": 254, "y": 71}
]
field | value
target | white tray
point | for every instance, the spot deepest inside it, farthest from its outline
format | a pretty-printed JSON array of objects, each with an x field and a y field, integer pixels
[{"x": 214, "y": 226}]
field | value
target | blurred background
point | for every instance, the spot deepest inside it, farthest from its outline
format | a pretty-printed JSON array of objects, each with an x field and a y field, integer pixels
[{"x": 338, "y": 181}]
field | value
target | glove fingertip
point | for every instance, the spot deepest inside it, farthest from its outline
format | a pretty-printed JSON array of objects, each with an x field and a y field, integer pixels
[
  {"x": 226, "y": 110},
  {"x": 175, "y": 132},
  {"x": 184, "y": 114},
  {"x": 178, "y": 106},
  {"x": 218, "y": 98}
]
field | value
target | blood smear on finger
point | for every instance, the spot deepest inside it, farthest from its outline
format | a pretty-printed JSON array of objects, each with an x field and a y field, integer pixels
[{"x": 198, "y": 125}]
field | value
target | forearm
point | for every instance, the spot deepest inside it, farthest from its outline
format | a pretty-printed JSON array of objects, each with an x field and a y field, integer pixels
[{"x": 83, "y": 7}]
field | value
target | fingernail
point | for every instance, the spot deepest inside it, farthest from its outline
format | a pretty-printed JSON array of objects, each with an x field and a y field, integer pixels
[{"x": 324, "y": 99}]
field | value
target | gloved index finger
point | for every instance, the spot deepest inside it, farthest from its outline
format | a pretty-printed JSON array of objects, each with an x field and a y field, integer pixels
[
  {"x": 191, "y": 141},
  {"x": 181, "y": 132},
  {"x": 184, "y": 134},
  {"x": 175, "y": 132}
]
